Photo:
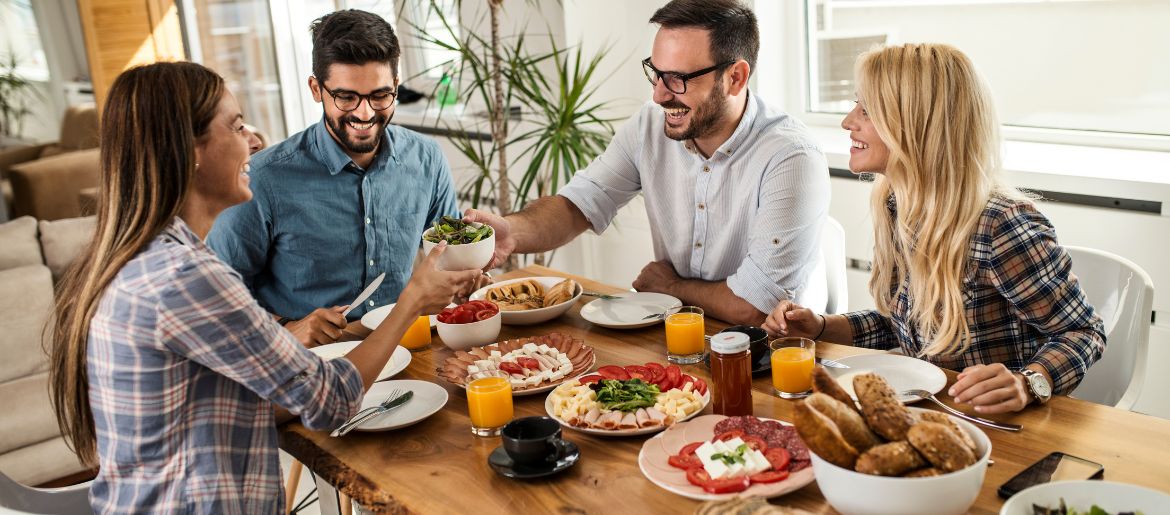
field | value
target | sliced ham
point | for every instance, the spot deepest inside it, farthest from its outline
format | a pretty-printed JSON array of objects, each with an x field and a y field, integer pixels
[
  {"x": 591, "y": 417},
  {"x": 464, "y": 357},
  {"x": 657, "y": 418},
  {"x": 610, "y": 420},
  {"x": 629, "y": 421},
  {"x": 479, "y": 353},
  {"x": 643, "y": 418}
]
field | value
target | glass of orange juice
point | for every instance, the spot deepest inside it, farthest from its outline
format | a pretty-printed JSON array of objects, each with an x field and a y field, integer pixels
[
  {"x": 685, "y": 335},
  {"x": 418, "y": 335},
  {"x": 792, "y": 366},
  {"x": 489, "y": 401}
]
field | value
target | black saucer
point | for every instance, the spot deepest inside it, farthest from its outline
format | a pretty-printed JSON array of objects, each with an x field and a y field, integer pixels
[{"x": 502, "y": 463}]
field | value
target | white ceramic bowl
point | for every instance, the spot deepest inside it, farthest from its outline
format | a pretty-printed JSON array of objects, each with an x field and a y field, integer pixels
[
  {"x": 532, "y": 316},
  {"x": 472, "y": 334},
  {"x": 854, "y": 493},
  {"x": 465, "y": 256},
  {"x": 1081, "y": 495}
]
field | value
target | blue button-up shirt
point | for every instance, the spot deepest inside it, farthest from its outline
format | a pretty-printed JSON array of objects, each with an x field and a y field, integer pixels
[{"x": 319, "y": 228}]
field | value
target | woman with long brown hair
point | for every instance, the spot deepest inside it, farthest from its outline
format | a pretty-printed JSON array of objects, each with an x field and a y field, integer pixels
[
  {"x": 165, "y": 372},
  {"x": 967, "y": 273}
]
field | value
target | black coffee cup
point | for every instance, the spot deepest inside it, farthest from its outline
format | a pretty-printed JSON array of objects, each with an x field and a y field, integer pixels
[
  {"x": 533, "y": 441},
  {"x": 761, "y": 355}
]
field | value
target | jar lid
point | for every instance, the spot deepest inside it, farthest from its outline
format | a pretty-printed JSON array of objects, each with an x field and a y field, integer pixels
[{"x": 730, "y": 343}]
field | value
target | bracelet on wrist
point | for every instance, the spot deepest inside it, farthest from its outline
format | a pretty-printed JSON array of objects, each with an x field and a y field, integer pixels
[{"x": 824, "y": 322}]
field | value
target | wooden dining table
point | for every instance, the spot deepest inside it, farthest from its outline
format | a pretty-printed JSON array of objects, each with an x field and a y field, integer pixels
[{"x": 439, "y": 466}]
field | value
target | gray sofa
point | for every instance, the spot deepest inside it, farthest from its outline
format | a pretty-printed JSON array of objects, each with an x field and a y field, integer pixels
[{"x": 33, "y": 257}]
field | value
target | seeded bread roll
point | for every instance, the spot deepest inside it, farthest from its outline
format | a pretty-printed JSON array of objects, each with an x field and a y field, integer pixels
[
  {"x": 884, "y": 413},
  {"x": 826, "y": 384},
  {"x": 890, "y": 459},
  {"x": 562, "y": 292},
  {"x": 926, "y": 472},
  {"x": 942, "y": 418},
  {"x": 941, "y": 447},
  {"x": 848, "y": 421},
  {"x": 822, "y": 436}
]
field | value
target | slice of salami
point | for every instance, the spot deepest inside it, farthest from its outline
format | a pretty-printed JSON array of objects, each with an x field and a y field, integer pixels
[{"x": 796, "y": 464}]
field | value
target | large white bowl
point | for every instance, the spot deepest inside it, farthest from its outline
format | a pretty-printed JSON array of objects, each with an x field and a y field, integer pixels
[
  {"x": 854, "y": 493},
  {"x": 532, "y": 316},
  {"x": 472, "y": 334},
  {"x": 1108, "y": 495},
  {"x": 465, "y": 256}
]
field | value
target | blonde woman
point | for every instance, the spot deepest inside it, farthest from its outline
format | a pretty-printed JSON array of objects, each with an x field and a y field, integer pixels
[
  {"x": 967, "y": 273},
  {"x": 165, "y": 372}
]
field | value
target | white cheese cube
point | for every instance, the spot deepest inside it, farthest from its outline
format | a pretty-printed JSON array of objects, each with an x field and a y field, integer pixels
[
  {"x": 496, "y": 354},
  {"x": 472, "y": 369},
  {"x": 731, "y": 444},
  {"x": 543, "y": 348},
  {"x": 530, "y": 347},
  {"x": 735, "y": 469},
  {"x": 704, "y": 452}
]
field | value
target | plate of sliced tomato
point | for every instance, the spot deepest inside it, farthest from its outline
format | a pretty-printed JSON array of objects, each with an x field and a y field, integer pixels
[
  {"x": 669, "y": 377},
  {"x": 468, "y": 312},
  {"x": 668, "y": 460}
]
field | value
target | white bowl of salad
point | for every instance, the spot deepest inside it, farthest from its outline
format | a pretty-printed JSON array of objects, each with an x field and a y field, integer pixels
[
  {"x": 1092, "y": 497},
  {"x": 470, "y": 246}
]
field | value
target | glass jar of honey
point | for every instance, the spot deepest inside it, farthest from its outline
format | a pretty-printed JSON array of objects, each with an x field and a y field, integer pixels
[{"x": 731, "y": 374}]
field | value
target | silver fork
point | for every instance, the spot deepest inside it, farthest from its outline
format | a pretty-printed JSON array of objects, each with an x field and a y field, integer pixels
[
  {"x": 602, "y": 296},
  {"x": 831, "y": 363},
  {"x": 923, "y": 394},
  {"x": 396, "y": 398}
]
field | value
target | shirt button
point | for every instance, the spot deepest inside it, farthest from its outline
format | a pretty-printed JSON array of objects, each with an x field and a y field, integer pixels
[
  {"x": 702, "y": 206},
  {"x": 367, "y": 221},
  {"x": 371, "y": 303},
  {"x": 707, "y": 169},
  {"x": 698, "y": 245},
  {"x": 371, "y": 262}
]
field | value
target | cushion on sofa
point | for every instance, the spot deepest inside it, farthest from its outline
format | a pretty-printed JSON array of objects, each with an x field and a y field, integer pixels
[
  {"x": 28, "y": 415},
  {"x": 18, "y": 243},
  {"x": 40, "y": 462},
  {"x": 63, "y": 240},
  {"x": 26, "y": 302}
]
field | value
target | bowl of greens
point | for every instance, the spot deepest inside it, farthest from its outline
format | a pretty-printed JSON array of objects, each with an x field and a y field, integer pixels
[{"x": 469, "y": 245}]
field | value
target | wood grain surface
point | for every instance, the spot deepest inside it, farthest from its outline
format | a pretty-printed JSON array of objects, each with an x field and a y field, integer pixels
[{"x": 438, "y": 466}]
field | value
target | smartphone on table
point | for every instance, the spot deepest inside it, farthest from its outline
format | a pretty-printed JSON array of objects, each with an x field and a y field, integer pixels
[{"x": 1057, "y": 466}]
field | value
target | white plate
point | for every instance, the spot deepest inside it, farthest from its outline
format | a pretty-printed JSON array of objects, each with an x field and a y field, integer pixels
[
  {"x": 629, "y": 311},
  {"x": 902, "y": 372},
  {"x": 398, "y": 362},
  {"x": 623, "y": 432},
  {"x": 428, "y": 399},
  {"x": 1081, "y": 495},
  {"x": 532, "y": 316},
  {"x": 375, "y": 316}
]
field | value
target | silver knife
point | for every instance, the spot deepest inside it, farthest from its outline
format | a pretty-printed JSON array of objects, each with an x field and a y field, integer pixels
[
  {"x": 365, "y": 294},
  {"x": 353, "y": 424}
]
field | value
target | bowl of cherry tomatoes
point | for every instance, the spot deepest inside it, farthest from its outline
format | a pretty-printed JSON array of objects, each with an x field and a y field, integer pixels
[{"x": 471, "y": 324}]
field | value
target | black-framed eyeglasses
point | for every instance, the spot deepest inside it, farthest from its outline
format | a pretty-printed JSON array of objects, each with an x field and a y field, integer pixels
[
  {"x": 348, "y": 101},
  {"x": 676, "y": 82}
]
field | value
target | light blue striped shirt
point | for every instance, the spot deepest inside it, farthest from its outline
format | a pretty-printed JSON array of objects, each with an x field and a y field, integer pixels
[{"x": 751, "y": 214}]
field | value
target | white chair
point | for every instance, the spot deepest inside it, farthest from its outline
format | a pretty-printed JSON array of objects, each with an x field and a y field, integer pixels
[
  {"x": 1123, "y": 295},
  {"x": 26, "y": 499},
  {"x": 833, "y": 254}
]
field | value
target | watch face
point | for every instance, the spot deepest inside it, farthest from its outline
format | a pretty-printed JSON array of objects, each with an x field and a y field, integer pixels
[{"x": 1039, "y": 386}]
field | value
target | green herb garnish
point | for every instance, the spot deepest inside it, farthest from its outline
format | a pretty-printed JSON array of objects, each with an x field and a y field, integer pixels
[
  {"x": 626, "y": 395},
  {"x": 731, "y": 458},
  {"x": 457, "y": 232}
]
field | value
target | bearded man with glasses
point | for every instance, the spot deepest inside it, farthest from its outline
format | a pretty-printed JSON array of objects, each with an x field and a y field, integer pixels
[
  {"x": 343, "y": 201},
  {"x": 736, "y": 191}
]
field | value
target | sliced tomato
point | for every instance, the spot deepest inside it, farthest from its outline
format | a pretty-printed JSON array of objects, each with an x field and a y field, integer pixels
[
  {"x": 700, "y": 386},
  {"x": 483, "y": 315},
  {"x": 639, "y": 369},
  {"x": 461, "y": 317},
  {"x": 689, "y": 449},
  {"x": 590, "y": 379},
  {"x": 684, "y": 462},
  {"x": 768, "y": 476},
  {"x": 674, "y": 376},
  {"x": 491, "y": 306},
  {"x": 530, "y": 363},
  {"x": 755, "y": 442},
  {"x": 657, "y": 375},
  {"x": 655, "y": 366},
  {"x": 727, "y": 435},
  {"x": 511, "y": 368},
  {"x": 726, "y": 486},
  {"x": 698, "y": 476},
  {"x": 613, "y": 372},
  {"x": 778, "y": 457}
]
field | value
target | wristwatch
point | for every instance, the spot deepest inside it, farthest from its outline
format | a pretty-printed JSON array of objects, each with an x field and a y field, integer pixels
[
  {"x": 283, "y": 320},
  {"x": 1037, "y": 384}
]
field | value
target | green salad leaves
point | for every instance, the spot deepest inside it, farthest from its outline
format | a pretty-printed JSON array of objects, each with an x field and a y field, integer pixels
[
  {"x": 625, "y": 395},
  {"x": 457, "y": 232}
]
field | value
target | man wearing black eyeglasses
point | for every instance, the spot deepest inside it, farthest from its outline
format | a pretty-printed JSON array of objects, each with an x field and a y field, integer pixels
[
  {"x": 343, "y": 201},
  {"x": 736, "y": 191}
]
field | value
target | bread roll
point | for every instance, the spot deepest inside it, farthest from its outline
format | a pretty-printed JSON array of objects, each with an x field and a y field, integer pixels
[
  {"x": 884, "y": 413},
  {"x": 822, "y": 436},
  {"x": 848, "y": 421},
  {"x": 940, "y": 446},
  {"x": 825, "y": 383},
  {"x": 562, "y": 292},
  {"x": 890, "y": 459},
  {"x": 944, "y": 419}
]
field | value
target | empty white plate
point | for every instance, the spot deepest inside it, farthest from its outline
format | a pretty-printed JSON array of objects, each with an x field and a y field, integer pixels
[
  {"x": 375, "y": 316},
  {"x": 902, "y": 372},
  {"x": 398, "y": 362},
  {"x": 428, "y": 399},
  {"x": 629, "y": 311}
]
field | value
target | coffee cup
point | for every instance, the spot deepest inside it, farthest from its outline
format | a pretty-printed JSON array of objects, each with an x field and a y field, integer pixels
[
  {"x": 533, "y": 441},
  {"x": 761, "y": 354}
]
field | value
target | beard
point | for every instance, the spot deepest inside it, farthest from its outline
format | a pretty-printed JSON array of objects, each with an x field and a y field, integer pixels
[
  {"x": 340, "y": 128},
  {"x": 705, "y": 118}
]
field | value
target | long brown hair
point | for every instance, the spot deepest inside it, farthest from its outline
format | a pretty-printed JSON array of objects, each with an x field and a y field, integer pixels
[{"x": 152, "y": 119}]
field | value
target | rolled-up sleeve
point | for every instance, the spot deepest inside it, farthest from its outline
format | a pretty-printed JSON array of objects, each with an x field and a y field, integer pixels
[
  {"x": 784, "y": 241},
  {"x": 1034, "y": 273},
  {"x": 207, "y": 315},
  {"x": 610, "y": 181}
]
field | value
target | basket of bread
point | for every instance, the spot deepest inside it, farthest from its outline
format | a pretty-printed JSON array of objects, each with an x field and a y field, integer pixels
[
  {"x": 531, "y": 300},
  {"x": 884, "y": 458}
]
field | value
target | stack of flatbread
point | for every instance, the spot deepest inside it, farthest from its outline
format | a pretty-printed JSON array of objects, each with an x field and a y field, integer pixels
[{"x": 529, "y": 294}]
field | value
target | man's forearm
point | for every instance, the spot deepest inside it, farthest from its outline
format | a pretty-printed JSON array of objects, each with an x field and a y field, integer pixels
[
  {"x": 546, "y": 224},
  {"x": 717, "y": 301}
]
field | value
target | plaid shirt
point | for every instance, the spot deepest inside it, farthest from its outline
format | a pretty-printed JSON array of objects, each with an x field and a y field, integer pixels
[
  {"x": 184, "y": 368},
  {"x": 1023, "y": 304}
]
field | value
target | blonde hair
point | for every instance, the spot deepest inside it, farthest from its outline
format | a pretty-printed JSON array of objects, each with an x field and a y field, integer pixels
[
  {"x": 934, "y": 112},
  {"x": 153, "y": 116}
]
